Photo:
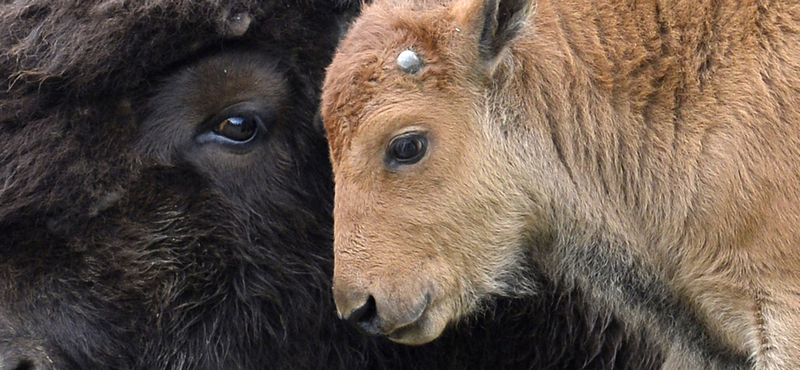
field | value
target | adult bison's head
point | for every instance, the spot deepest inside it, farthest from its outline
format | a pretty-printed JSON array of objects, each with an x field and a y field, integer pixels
[
  {"x": 429, "y": 219},
  {"x": 164, "y": 189}
]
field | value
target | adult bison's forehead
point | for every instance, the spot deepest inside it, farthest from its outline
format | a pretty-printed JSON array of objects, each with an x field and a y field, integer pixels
[
  {"x": 365, "y": 74},
  {"x": 97, "y": 47}
]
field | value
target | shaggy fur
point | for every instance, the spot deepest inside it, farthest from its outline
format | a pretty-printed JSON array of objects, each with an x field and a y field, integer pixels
[
  {"x": 642, "y": 152},
  {"x": 130, "y": 240}
]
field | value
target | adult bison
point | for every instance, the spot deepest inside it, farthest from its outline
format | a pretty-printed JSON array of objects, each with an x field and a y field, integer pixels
[
  {"x": 644, "y": 153},
  {"x": 165, "y": 201}
]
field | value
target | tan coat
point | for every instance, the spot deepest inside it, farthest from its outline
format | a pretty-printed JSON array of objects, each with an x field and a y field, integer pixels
[{"x": 646, "y": 152}]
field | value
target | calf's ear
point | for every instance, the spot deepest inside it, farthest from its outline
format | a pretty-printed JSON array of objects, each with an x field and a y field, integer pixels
[{"x": 499, "y": 22}]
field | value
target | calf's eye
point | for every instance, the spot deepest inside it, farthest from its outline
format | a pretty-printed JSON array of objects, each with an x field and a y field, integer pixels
[
  {"x": 407, "y": 149},
  {"x": 237, "y": 128}
]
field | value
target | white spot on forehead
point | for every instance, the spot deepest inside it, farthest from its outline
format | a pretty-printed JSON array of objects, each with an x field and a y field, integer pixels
[{"x": 409, "y": 61}]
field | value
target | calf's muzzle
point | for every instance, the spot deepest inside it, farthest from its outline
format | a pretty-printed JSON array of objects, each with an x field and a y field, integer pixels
[{"x": 375, "y": 312}]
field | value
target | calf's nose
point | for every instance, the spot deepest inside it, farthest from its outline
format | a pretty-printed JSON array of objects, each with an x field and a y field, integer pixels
[
  {"x": 359, "y": 309},
  {"x": 372, "y": 313},
  {"x": 365, "y": 317}
]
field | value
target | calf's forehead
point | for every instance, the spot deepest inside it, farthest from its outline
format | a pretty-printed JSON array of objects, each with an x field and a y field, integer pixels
[{"x": 365, "y": 76}]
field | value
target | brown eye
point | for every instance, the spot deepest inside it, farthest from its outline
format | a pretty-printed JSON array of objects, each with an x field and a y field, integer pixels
[
  {"x": 233, "y": 129},
  {"x": 237, "y": 128},
  {"x": 406, "y": 149}
]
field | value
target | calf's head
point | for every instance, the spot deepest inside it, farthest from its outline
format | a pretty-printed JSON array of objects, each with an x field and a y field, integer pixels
[{"x": 428, "y": 219}]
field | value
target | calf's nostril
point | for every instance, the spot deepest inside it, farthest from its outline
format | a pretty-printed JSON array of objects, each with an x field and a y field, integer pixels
[{"x": 365, "y": 318}]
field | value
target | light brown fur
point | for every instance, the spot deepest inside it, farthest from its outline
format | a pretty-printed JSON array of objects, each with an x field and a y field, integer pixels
[{"x": 646, "y": 152}]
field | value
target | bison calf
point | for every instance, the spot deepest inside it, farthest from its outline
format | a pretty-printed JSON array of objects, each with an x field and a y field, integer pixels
[{"x": 644, "y": 153}]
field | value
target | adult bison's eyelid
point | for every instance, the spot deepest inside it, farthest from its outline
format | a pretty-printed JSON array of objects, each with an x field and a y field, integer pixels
[
  {"x": 234, "y": 129},
  {"x": 241, "y": 128},
  {"x": 406, "y": 149}
]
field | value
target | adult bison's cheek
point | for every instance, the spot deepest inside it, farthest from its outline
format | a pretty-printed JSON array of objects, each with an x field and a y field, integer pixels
[{"x": 401, "y": 305}]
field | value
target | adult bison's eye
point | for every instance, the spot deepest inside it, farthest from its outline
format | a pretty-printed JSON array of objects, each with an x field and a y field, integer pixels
[
  {"x": 406, "y": 149},
  {"x": 234, "y": 127},
  {"x": 238, "y": 128}
]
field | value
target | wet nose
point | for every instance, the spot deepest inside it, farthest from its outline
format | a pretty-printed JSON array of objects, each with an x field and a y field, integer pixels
[
  {"x": 365, "y": 317},
  {"x": 359, "y": 308},
  {"x": 373, "y": 314}
]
